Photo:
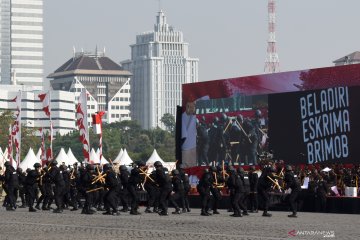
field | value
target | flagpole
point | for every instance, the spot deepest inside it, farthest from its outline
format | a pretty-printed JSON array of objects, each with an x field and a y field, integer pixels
[{"x": 51, "y": 127}]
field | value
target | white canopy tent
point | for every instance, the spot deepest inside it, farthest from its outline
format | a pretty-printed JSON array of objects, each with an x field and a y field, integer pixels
[
  {"x": 29, "y": 160},
  {"x": 2, "y": 159},
  {"x": 153, "y": 158},
  {"x": 118, "y": 157},
  {"x": 125, "y": 159},
  {"x": 62, "y": 158},
  {"x": 103, "y": 159},
  {"x": 72, "y": 158},
  {"x": 38, "y": 155},
  {"x": 94, "y": 158}
]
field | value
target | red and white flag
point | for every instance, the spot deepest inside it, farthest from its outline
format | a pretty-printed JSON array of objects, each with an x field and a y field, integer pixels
[
  {"x": 16, "y": 129},
  {"x": 10, "y": 145},
  {"x": 97, "y": 122},
  {"x": 97, "y": 126},
  {"x": 45, "y": 98},
  {"x": 82, "y": 123}
]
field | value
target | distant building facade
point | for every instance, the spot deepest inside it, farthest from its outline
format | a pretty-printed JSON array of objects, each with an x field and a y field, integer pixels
[
  {"x": 160, "y": 64},
  {"x": 107, "y": 84},
  {"x": 32, "y": 116},
  {"x": 352, "y": 58},
  {"x": 21, "y": 42}
]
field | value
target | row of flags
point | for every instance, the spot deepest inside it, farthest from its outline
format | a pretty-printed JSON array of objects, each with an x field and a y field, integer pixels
[{"x": 14, "y": 139}]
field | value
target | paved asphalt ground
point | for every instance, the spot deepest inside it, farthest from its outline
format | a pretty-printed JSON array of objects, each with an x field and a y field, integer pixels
[{"x": 22, "y": 224}]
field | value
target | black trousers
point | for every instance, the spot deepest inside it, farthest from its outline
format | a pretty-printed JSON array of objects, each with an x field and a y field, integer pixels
[
  {"x": 264, "y": 194},
  {"x": 164, "y": 198},
  {"x": 254, "y": 203},
  {"x": 205, "y": 197},
  {"x": 59, "y": 191},
  {"x": 134, "y": 199},
  {"x": 293, "y": 200},
  {"x": 123, "y": 195},
  {"x": 217, "y": 197},
  {"x": 110, "y": 200},
  {"x": 11, "y": 193},
  {"x": 234, "y": 198},
  {"x": 176, "y": 197},
  {"x": 31, "y": 194},
  {"x": 153, "y": 195}
]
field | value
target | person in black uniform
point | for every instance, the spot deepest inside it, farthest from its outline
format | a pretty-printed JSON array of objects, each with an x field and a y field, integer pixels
[
  {"x": 202, "y": 142},
  {"x": 74, "y": 191},
  {"x": 321, "y": 191},
  {"x": 178, "y": 189},
  {"x": 57, "y": 178},
  {"x": 204, "y": 190},
  {"x": 11, "y": 186},
  {"x": 124, "y": 182},
  {"x": 31, "y": 185},
  {"x": 253, "y": 198},
  {"x": 86, "y": 178},
  {"x": 185, "y": 179},
  {"x": 112, "y": 183},
  {"x": 242, "y": 191},
  {"x": 233, "y": 184},
  {"x": 292, "y": 183},
  {"x": 152, "y": 189},
  {"x": 135, "y": 180},
  {"x": 48, "y": 189},
  {"x": 164, "y": 182},
  {"x": 214, "y": 188},
  {"x": 264, "y": 187},
  {"x": 21, "y": 177},
  {"x": 66, "y": 177}
]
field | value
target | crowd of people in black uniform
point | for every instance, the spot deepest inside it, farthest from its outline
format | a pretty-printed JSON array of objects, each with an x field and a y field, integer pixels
[
  {"x": 102, "y": 188},
  {"x": 93, "y": 188},
  {"x": 235, "y": 139}
]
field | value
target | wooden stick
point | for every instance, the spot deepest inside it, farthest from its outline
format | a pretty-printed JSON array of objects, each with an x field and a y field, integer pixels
[{"x": 94, "y": 190}]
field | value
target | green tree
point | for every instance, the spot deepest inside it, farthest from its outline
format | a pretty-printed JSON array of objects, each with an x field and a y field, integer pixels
[{"x": 169, "y": 121}]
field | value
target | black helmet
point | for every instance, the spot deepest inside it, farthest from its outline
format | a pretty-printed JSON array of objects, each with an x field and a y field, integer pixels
[
  {"x": 224, "y": 117},
  {"x": 252, "y": 168},
  {"x": 240, "y": 170},
  {"x": 141, "y": 164},
  {"x": 288, "y": 168},
  {"x": 89, "y": 167},
  {"x": 175, "y": 172},
  {"x": 215, "y": 120},
  {"x": 157, "y": 164},
  {"x": 106, "y": 166},
  {"x": 231, "y": 169},
  {"x": 181, "y": 166},
  {"x": 123, "y": 168},
  {"x": 54, "y": 162},
  {"x": 258, "y": 113},
  {"x": 37, "y": 165},
  {"x": 7, "y": 163},
  {"x": 206, "y": 170},
  {"x": 212, "y": 169}
]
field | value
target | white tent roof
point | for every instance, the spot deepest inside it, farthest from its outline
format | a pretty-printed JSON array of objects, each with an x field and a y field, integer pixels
[
  {"x": 94, "y": 158},
  {"x": 117, "y": 159},
  {"x": 62, "y": 157},
  {"x": 2, "y": 159},
  {"x": 103, "y": 159},
  {"x": 125, "y": 159},
  {"x": 38, "y": 155},
  {"x": 29, "y": 160},
  {"x": 153, "y": 158},
  {"x": 72, "y": 158}
]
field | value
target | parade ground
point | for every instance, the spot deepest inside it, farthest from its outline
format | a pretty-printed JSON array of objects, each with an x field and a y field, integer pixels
[{"x": 22, "y": 224}]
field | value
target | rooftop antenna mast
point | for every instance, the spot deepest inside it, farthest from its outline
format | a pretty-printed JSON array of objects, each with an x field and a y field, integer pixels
[{"x": 272, "y": 63}]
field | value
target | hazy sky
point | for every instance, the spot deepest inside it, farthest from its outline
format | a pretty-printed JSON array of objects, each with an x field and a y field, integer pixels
[{"x": 228, "y": 36}]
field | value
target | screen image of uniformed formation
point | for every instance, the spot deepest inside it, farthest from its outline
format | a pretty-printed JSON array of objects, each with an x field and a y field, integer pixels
[
  {"x": 231, "y": 129},
  {"x": 301, "y": 117}
]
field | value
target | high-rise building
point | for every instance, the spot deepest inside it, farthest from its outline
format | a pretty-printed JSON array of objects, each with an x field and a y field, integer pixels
[
  {"x": 107, "y": 84},
  {"x": 160, "y": 64},
  {"x": 21, "y": 42}
]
